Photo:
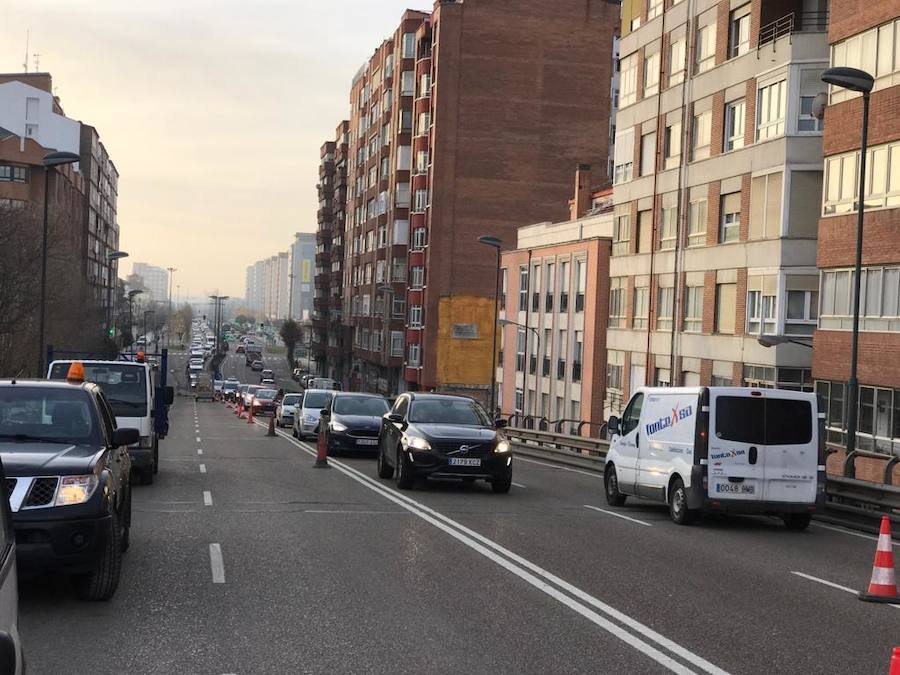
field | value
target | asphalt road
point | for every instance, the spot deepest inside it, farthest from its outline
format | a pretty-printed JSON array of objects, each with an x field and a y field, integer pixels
[{"x": 335, "y": 571}]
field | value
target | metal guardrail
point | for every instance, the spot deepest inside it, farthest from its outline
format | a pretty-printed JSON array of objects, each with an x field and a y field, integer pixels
[{"x": 844, "y": 493}]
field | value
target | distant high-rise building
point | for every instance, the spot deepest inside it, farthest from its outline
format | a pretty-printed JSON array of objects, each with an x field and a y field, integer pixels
[
  {"x": 300, "y": 290},
  {"x": 156, "y": 280}
]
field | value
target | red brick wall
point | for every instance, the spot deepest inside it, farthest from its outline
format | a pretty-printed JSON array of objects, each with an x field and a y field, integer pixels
[
  {"x": 844, "y": 121},
  {"x": 879, "y": 357},
  {"x": 713, "y": 208},
  {"x": 722, "y": 31},
  {"x": 717, "y": 126},
  {"x": 849, "y": 17},
  {"x": 750, "y": 116},
  {"x": 705, "y": 372},
  {"x": 744, "y": 232},
  {"x": 881, "y": 238},
  {"x": 709, "y": 301},
  {"x": 740, "y": 302}
]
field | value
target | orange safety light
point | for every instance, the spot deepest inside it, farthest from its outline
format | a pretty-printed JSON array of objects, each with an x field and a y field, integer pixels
[
  {"x": 140, "y": 357},
  {"x": 76, "y": 373}
]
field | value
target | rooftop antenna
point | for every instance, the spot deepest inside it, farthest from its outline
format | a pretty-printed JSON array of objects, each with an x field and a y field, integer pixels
[
  {"x": 37, "y": 62},
  {"x": 25, "y": 62}
]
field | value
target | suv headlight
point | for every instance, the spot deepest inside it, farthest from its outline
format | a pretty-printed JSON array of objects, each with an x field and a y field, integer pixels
[
  {"x": 337, "y": 426},
  {"x": 502, "y": 446},
  {"x": 75, "y": 489},
  {"x": 417, "y": 443}
]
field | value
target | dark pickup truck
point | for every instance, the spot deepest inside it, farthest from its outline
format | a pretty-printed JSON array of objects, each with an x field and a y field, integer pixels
[{"x": 67, "y": 476}]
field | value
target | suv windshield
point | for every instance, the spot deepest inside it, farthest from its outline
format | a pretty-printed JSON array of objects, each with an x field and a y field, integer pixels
[
  {"x": 124, "y": 384},
  {"x": 291, "y": 399},
  {"x": 46, "y": 414},
  {"x": 315, "y": 399},
  {"x": 368, "y": 406},
  {"x": 448, "y": 411},
  {"x": 266, "y": 393}
]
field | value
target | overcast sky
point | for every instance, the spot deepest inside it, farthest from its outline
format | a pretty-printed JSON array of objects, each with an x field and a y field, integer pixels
[{"x": 212, "y": 110}]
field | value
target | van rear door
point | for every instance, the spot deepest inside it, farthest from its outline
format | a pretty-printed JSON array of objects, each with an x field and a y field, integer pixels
[
  {"x": 792, "y": 447},
  {"x": 736, "y": 450}
]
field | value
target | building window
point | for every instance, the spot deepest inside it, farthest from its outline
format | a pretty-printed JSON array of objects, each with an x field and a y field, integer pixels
[
  {"x": 424, "y": 123},
  {"x": 693, "y": 309},
  {"x": 654, "y": 8},
  {"x": 421, "y": 200},
  {"x": 379, "y": 271},
  {"x": 725, "y": 308},
  {"x": 806, "y": 121},
  {"x": 402, "y": 196},
  {"x": 628, "y": 66},
  {"x": 665, "y": 307},
  {"x": 398, "y": 269},
  {"x": 662, "y": 377},
  {"x": 771, "y": 103},
  {"x": 523, "y": 288},
  {"x": 705, "y": 47},
  {"x": 879, "y": 302},
  {"x": 615, "y": 365},
  {"x": 419, "y": 238},
  {"x": 676, "y": 62},
  {"x": 503, "y": 288},
  {"x": 405, "y": 121},
  {"x": 734, "y": 125},
  {"x": 415, "y": 316},
  {"x": 640, "y": 307},
  {"x": 701, "y": 128},
  {"x": 882, "y": 188},
  {"x": 409, "y": 46},
  {"x": 563, "y": 287},
  {"x": 536, "y": 287},
  {"x": 407, "y": 83},
  {"x": 648, "y": 153},
  {"x": 366, "y": 305},
  {"x": 417, "y": 279},
  {"x": 617, "y": 288},
  {"x": 761, "y": 313},
  {"x": 520, "y": 350},
  {"x": 697, "y": 223},
  {"x": 414, "y": 357},
  {"x": 520, "y": 400},
  {"x": 398, "y": 311},
  {"x": 651, "y": 74},
  {"x": 622, "y": 231},
  {"x": 424, "y": 84},
  {"x": 878, "y": 425},
  {"x": 577, "y": 356},
  {"x": 739, "y": 31},
  {"x": 421, "y": 162},
  {"x": 623, "y": 154},
  {"x": 549, "y": 293},
  {"x": 580, "y": 283},
  {"x": 668, "y": 231},
  {"x": 801, "y": 312},
  {"x": 396, "y": 343},
  {"x": 730, "y": 220},
  {"x": 672, "y": 146},
  {"x": 876, "y": 51},
  {"x": 765, "y": 206}
]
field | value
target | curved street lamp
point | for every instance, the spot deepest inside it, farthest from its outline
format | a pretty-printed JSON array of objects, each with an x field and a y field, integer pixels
[
  {"x": 497, "y": 243},
  {"x": 862, "y": 82},
  {"x": 111, "y": 257}
]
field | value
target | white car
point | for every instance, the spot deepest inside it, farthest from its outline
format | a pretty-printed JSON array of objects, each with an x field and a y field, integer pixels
[
  {"x": 730, "y": 449},
  {"x": 309, "y": 411},
  {"x": 284, "y": 413}
]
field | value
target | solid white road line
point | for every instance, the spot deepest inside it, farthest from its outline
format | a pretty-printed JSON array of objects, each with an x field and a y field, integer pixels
[
  {"x": 203, "y": 468},
  {"x": 533, "y": 575},
  {"x": 207, "y": 498},
  {"x": 592, "y": 474},
  {"x": 617, "y": 515},
  {"x": 216, "y": 564},
  {"x": 850, "y": 533},
  {"x": 831, "y": 584},
  {"x": 518, "y": 485}
]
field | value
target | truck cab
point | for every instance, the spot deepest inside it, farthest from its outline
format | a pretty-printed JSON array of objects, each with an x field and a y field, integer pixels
[{"x": 131, "y": 389}]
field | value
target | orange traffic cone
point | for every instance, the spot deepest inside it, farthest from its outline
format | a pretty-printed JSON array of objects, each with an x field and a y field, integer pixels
[
  {"x": 883, "y": 587},
  {"x": 250, "y": 421},
  {"x": 895, "y": 662}
]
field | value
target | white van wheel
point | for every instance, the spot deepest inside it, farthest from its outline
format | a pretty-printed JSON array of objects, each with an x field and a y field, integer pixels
[
  {"x": 678, "y": 505},
  {"x": 611, "y": 484}
]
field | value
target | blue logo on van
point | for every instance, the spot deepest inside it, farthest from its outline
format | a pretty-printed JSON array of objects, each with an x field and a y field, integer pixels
[{"x": 677, "y": 415}]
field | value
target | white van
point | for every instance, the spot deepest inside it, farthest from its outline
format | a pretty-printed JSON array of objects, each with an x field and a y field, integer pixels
[
  {"x": 732, "y": 449},
  {"x": 323, "y": 383}
]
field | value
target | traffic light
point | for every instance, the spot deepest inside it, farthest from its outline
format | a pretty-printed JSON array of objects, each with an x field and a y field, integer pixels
[
  {"x": 204, "y": 317},
  {"x": 112, "y": 332}
]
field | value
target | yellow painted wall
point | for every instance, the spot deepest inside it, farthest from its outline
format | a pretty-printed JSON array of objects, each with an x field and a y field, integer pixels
[{"x": 462, "y": 361}]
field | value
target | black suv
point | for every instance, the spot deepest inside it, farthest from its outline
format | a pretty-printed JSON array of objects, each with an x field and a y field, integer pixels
[
  {"x": 443, "y": 436},
  {"x": 67, "y": 477}
]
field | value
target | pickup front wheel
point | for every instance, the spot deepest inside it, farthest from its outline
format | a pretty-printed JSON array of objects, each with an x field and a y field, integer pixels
[{"x": 101, "y": 584}]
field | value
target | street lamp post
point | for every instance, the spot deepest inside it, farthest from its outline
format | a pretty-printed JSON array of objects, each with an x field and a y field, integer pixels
[
  {"x": 50, "y": 160},
  {"x": 389, "y": 296},
  {"x": 496, "y": 243},
  {"x": 858, "y": 81},
  {"x": 290, "y": 294},
  {"x": 111, "y": 257},
  {"x": 537, "y": 346},
  {"x": 131, "y": 295},
  {"x": 171, "y": 271}
]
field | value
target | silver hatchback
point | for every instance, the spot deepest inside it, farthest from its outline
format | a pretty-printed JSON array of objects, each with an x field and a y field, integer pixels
[{"x": 309, "y": 411}]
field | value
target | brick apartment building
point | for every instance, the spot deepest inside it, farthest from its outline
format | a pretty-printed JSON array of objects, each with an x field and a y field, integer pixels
[
  {"x": 30, "y": 112},
  {"x": 555, "y": 292},
  {"x": 331, "y": 341},
  {"x": 717, "y": 160},
  {"x": 488, "y": 111},
  {"x": 863, "y": 35}
]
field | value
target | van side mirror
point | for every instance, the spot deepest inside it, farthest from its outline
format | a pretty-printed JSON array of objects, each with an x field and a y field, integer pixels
[
  {"x": 125, "y": 436},
  {"x": 324, "y": 412},
  {"x": 500, "y": 423},
  {"x": 613, "y": 424},
  {"x": 395, "y": 418},
  {"x": 167, "y": 394}
]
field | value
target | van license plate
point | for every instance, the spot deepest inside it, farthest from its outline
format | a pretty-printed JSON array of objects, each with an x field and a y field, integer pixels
[
  {"x": 463, "y": 461},
  {"x": 736, "y": 488},
  {"x": 367, "y": 441}
]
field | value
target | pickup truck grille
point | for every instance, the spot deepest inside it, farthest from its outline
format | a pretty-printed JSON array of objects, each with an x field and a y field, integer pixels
[
  {"x": 10, "y": 486},
  {"x": 42, "y": 492}
]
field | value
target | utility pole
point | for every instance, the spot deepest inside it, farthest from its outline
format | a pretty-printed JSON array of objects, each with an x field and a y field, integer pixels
[
  {"x": 290, "y": 294},
  {"x": 171, "y": 271}
]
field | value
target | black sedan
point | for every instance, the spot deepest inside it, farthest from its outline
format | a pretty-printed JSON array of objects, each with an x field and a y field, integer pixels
[
  {"x": 442, "y": 436},
  {"x": 354, "y": 421}
]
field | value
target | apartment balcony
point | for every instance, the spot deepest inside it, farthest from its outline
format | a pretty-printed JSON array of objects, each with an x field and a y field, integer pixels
[
  {"x": 323, "y": 258},
  {"x": 320, "y": 304},
  {"x": 323, "y": 234},
  {"x": 319, "y": 321},
  {"x": 795, "y": 22},
  {"x": 324, "y": 214},
  {"x": 322, "y": 282},
  {"x": 337, "y": 251}
]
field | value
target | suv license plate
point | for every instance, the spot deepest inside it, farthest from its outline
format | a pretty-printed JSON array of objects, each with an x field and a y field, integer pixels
[
  {"x": 367, "y": 441},
  {"x": 736, "y": 488},
  {"x": 464, "y": 461}
]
